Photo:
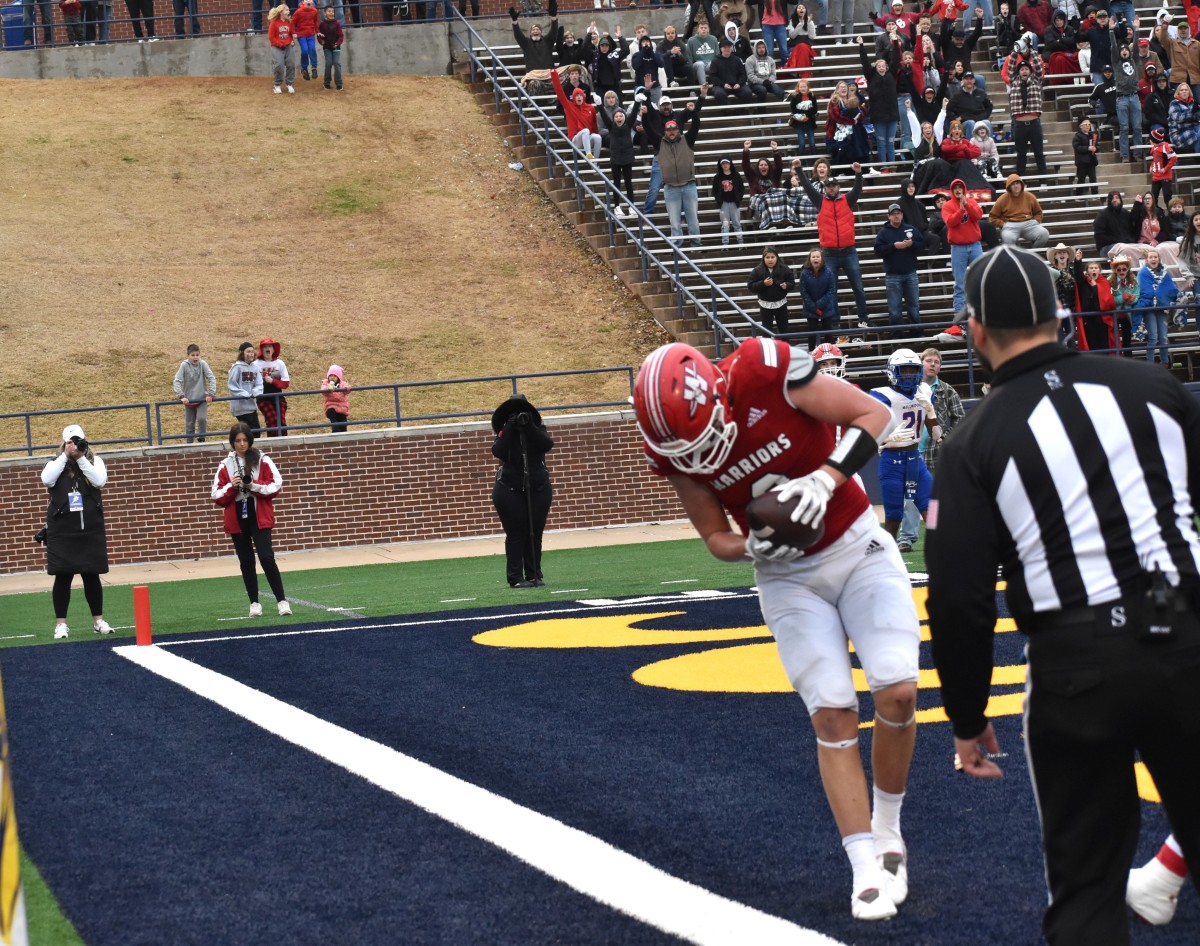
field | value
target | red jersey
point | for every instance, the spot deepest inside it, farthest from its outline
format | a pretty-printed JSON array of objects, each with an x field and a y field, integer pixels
[{"x": 775, "y": 441}]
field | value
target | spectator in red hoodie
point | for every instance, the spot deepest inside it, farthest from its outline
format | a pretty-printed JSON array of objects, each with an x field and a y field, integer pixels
[
  {"x": 283, "y": 50},
  {"x": 582, "y": 127},
  {"x": 1034, "y": 16},
  {"x": 331, "y": 37},
  {"x": 1162, "y": 166},
  {"x": 304, "y": 25},
  {"x": 962, "y": 215}
]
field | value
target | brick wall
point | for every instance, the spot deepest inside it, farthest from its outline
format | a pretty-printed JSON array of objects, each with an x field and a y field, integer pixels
[
  {"x": 233, "y": 16},
  {"x": 349, "y": 489}
]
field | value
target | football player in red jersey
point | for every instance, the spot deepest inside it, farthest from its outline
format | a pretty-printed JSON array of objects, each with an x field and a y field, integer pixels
[{"x": 764, "y": 419}]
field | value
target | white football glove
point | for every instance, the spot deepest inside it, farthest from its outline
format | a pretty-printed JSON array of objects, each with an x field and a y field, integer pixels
[
  {"x": 924, "y": 397},
  {"x": 903, "y": 436},
  {"x": 815, "y": 490},
  {"x": 764, "y": 550}
]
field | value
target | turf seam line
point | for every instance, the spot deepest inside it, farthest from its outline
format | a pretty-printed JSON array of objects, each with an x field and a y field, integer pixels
[{"x": 586, "y": 863}]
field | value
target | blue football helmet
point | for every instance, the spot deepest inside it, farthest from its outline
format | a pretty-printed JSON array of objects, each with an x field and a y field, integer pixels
[{"x": 905, "y": 370}]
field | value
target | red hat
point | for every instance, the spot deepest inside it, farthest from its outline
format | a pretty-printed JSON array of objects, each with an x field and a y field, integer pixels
[
  {"x": 271, "y": 342},
  {"x": 671, "y": 124},
  {"x": 578, "y": 94},
  {"x": 1157, "y": 133}
]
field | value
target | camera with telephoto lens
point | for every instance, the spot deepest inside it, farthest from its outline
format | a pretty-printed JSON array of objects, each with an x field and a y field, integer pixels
[
  {"x": 524, "y": 419},
  {"x": 80, "y": 444},
  {"x": 40, "y": 535}
]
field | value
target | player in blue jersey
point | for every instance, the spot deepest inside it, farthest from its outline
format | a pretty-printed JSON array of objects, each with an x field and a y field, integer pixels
[{"x": 902, "y": 470}]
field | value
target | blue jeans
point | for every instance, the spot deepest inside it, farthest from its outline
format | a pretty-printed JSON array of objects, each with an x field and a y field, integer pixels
[
  {"x": 29, "y": 13},
  {"x": 988, "y": 15},
  {"x": 822, "y": 12},
  {"x": 333, "y": 66},
  {"x": 1156, "y": 337},
  {"x": 308, "y": 52},
  {"x": 188, "y": 6},
  {"x": 683, "y": 202},
  {"x": 1120, "y": 6},
  {"x": 969, "y": 126},
  {"x": 906, "y": 141},
  {"x": 805, "y": 139},
  {"x": 653, "y": 188},
  {"x": 776, "y": 39},
  {"x": 847, "y": 259},
  {"x": 903, "y": 289},
  {"x": 885, "y": 141},
  {"x": 1129, "y": 117},
  {"x": 961, "y": 256},
  {"x": 910, "y": 525}
]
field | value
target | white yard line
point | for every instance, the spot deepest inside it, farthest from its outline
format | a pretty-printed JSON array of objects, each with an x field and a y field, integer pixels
[{"x": 586, "y": 863}]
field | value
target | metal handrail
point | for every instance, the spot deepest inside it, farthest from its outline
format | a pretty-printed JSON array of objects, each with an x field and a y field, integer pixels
[
  {"x": 527, "y": 111},
  {"x": 155, "y": 435}
]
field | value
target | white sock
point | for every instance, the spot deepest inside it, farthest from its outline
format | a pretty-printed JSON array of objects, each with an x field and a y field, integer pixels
[
  {"x": 860, "y": 848},
  {"x": 885, "y": 820}
]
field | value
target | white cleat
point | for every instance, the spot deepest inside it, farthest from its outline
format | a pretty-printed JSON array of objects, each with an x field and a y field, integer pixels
[
  {"x": 872, "y": 903},
  {"x": 893, "y": 861},
  {"x": 284, "y": 608},
  {"x": 1153, "y": 893},
  {"x": 61, "y": 631},
  {"x": 256, "y": 610}
]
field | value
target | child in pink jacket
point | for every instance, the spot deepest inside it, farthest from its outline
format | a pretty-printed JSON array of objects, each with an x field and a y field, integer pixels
[{"x": 337, "y": 398}]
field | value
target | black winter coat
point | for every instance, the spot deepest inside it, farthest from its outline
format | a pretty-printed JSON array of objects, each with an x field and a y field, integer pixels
[
  {"x": 75, "y": 544},
  {"x": 774, "y": 292},
  {"x": 620, "y": 139}
]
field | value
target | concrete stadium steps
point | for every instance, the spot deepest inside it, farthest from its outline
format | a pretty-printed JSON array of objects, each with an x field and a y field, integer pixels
[{"x": 726, "y": 127}]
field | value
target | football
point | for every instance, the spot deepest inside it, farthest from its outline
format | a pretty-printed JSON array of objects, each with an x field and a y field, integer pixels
[{"x": 770, "y": 519}]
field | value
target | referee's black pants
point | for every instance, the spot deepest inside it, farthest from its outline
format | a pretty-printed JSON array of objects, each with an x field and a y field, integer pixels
[
  {"x": 522, "y": 549},
  {"x": 1100, "y": 694}
]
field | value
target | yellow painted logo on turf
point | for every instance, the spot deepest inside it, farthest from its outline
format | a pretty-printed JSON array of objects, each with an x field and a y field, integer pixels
[{"x": 745, "y": 668}]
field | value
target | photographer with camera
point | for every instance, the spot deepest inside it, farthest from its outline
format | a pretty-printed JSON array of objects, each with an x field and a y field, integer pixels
[
  {"x": 76, "y": 543},
  {"x": 522, "y": 493},
  {"x": 245, "y": 486}
]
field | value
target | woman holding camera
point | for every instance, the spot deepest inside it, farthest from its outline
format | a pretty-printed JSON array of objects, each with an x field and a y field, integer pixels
[
  {"x": 522, "y": 494},
  {"x": 245, "y": 485},
  {"x": 76, "y": 543}
]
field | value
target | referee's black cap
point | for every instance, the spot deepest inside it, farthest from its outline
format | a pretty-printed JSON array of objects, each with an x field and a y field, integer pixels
[{"x": 1011, "y": 288}]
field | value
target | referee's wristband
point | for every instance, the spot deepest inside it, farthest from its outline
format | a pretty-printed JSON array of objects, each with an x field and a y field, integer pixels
[{"x": 853, "y": 451}]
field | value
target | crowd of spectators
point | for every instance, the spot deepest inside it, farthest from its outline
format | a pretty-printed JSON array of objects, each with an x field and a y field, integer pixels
[{"x": 922, "y": 109}]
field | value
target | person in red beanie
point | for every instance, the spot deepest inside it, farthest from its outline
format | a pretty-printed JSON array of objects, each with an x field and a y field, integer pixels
[
  {"x": 271, "y": 402},
  {"x": 1162, "y": 166}
]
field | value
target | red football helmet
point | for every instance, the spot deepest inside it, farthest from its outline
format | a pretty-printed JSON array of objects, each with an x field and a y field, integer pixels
[
  {"x": 680, "y": 401},
  {"x": 830, "y": 360}
]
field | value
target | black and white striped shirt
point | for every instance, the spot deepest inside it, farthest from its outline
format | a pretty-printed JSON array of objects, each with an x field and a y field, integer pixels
[{"x": 1076, "y": 475}]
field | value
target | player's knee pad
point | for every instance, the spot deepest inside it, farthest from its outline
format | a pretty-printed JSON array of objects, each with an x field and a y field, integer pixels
[
  {"x": 894, "y": 725},
  {"x": 892, "y": 666},
  {"x": 838, "y": 744}
]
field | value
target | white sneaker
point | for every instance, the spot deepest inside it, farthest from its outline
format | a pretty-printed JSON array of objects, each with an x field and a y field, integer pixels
[
  {"x": 1153, "y": 893},
  {"x": 619, "y": 212},
  {"x": 291, "y": 90},
  {"x": 153, "y": 39},
  {"x": 892, "y": 857},
  {"x": 101, "y": 627},
  {"x": 872, "y": 903},
  {"x": 256, "y": 610},
  {"x": 278, "y": 90},
  {"x": 285, "y": 608},
  {"x": 61, "y": 631}
]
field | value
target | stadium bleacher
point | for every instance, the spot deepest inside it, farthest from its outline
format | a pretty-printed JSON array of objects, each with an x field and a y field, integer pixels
[{"x": 725, "y": 127}]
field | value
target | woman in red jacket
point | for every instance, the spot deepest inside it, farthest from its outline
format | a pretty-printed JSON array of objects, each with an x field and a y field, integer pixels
[
  {"x": 245, "y": 484},
  {"x": 283, "y": 50}
]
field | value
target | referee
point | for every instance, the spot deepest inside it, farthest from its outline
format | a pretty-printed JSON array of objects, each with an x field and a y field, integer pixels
[{"x": 1075, "y": 475}]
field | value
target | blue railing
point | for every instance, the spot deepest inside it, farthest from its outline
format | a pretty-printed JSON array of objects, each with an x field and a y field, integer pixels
[{"x": 159, "y": 417}]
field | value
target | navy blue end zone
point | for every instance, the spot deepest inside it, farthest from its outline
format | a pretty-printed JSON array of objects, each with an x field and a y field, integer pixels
[{"x": 157, "y": 816}]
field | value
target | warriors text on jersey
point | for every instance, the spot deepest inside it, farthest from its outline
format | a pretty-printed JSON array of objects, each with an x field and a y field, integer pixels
[{"x": 775, "y": 441}]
